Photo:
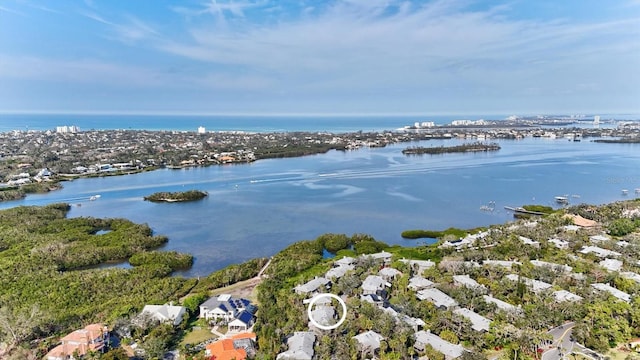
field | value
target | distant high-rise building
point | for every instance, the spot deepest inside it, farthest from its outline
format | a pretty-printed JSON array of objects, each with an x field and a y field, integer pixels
[
  {"x": 201, "y": 130},
  {"x": 596, "y": 119},
  {"x": 67, "y": 129}
]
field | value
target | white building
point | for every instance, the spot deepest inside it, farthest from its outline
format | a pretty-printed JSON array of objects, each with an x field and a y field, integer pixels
[
  {"x": 437, "y": 297},
  {"x": 559, "y": 243},
  {"x": 374, "y": 284},
  {"x": 449, "y": 350},
  {"x": 611, "y": 264},
  {"x": 466, "y": 281},
  {"x": 300, "y": 346},
  {"x": 201, "y": 130},
  {"x": 621, "y": 295},
  {"x": 418, "y": 283},
  {"x": 504, "y": 306},
  {"x": 598, "y": 251},
  {"x": 419, "y": 265},
  {"x": 564, "y": 295},
  {"x": 166, "y": 313},
  {"x": 553, "y": 266},
  {"x": 536, "y": 286}
]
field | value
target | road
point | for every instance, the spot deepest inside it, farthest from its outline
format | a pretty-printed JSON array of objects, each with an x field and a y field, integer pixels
[{"x": 562, "y": 344}]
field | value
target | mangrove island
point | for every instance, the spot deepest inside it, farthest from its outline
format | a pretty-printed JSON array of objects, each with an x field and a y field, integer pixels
[{"x": 180, "y": 196}]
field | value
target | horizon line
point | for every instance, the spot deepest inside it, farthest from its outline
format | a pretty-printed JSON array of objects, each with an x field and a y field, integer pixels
[{"x": 299, "y": 114}]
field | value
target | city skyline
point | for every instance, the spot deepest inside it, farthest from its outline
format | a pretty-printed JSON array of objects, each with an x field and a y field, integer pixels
[{"x": 308, "y": 57}]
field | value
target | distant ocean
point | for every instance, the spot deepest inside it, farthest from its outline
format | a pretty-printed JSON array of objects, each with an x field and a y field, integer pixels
[
  {"x": 258, "y": 123},
  {"x": 249, "y": 123}
]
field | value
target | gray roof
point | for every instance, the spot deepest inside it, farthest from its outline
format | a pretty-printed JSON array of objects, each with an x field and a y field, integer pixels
[
  {"x": 369, "y": 340},
  {"x": 374, "y": 283},
  {"x": 324, "y": 315},
  {"x": 599, "y": 251},
  {"x": 564, "y": 295},
  {"x": 450, "y": 350},
  {"x": 478, "y": 322},
  {"x": 300, "y": 347},
  {"x": 613, "y": 291},
  {"x": 437, "y": 297},
  {"x": 312, "y": 285},
  {"x": 466, "y": 281},
  {"x": 421, "y": 264},
  {"x": 338, "y": 271},
  {"x": 419, "y": 283},
  {"x": 534, "y": 285},
  {"x": 505, "y": 306},
  {"x": 389, "y": 272},
  {"x": 539, "y": 263},
  {"x": 226, "y": 302},
  {"x": 346, "y": 260}
]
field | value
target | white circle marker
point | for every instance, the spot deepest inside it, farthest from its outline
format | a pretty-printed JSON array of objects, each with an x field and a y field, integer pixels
[{"x": 327, "y": 327}]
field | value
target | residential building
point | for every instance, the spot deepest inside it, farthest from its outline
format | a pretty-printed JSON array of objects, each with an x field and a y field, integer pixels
[
  {"x": 300, "y": 346},
  {"x": 315, "y": 286},
  {"x": 389, "y": 274},
  {"x": 478, "y": 322},
  {"x": 242, "y": 322},
  {"x": 419, "y": 265},
  {"x": 418, "y": 283},
  {"x": 621, "y": 295},
  {"x": 599, "y": 238},
  {"x": 564, "y": 295},
  {"x": 466, "y": 281},
  {"x": 166, "y": 313},
  {"x": 449, "y": 350},
  {"x": 345, "y": 261},
  {"x": 536, "y": 286},
  {"x": 383, "y": 255},
  {"x": 225, "y": 308},
  {"x": 630, "y": 275},
  {"x": 611, "y": 264},
  {"x": 504, "y": 306},
  {"x": 598, "y": 251},
  {"x": 437, "y": 297},
  {"x": 373, "y": 299},
  {"x": 92, "y": 338},
  {"x": 338, "y": 271},
  {"x": 369, "y": 342},
  {"x": 527, "y": 241},
  {"x": 559, "y": 243},
  {"x": 324, "y": 315},
  {"x": 374, "y": 284},
  {"x": 236, "y": 347},
  {"x": 554, "y": 266},
  {"x": 507, "y": 264}
]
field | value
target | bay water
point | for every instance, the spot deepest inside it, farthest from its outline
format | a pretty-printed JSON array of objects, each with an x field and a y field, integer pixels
[{"x": 257, "y": 209}]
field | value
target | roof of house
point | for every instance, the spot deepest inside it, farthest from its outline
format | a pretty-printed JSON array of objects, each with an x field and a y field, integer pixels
[
  {"x": 527, "y": 241},
  {"x": 226, "y": 302},
  {"x": 369, "y": 340},
  {"x": 323, "y": 315},
  {"x": 559, "y": 243},
  {"x": 437, "y": 343},
  {"x": 346, "y": 260},
  {"x": 381, "y": 255},
  {"x": 312, "y": 285},
  {"x": 243, "y": 335},
  {"x": 478, "y": 322},
  {"x": 338, "y": 271},
  {"x": 500, "y": 304},
  {"x": 534, "y": 285},
  {"x": 503, "y": 263},
  {"x": 389, "y": 272},
  {"x": 374, "y": 283},
  {"x": 79, "y": 341},
  {"x": 613, "y": 291},
  {"x": 371, "y": 298},
  {"x": 599, "y": 251},
  {"x": 423, "y": 264},
  {"x": 86, "y": 334},
  {"x": 611, "y": 264},
  {"x": 164, "y": 312},
  {"x": 225, "y": 350},
  {"x": 418, "y": 283},
  {"x": 580, "y": 221},
  {"x": 599, "y": 238},
  {"x": 244, "y": 317},
  {"x": 564, "y": 295},
  {"x": 630, "y": 275},
  {"x": 300, "y": 346},
  {"x": 467, "y": 281},
  {"x": 437, "y": 297},
  {"x": 539, "y": 263}
]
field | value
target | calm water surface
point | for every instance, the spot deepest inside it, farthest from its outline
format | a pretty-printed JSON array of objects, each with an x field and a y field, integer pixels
[{"x": 257, "y": 209}]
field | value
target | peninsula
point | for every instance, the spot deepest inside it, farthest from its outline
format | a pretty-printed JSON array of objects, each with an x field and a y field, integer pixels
[
  {"x": 180, "y": 196},
  {"x": 469, "y": 147}
]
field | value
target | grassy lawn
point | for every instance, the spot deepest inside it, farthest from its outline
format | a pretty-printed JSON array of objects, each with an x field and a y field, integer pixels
[
  {"x": 618, "y": 354},
  {"x": 197, "y": 336}
]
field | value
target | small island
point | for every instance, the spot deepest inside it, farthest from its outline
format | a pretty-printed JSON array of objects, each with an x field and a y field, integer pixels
[
  {"x": 179, "y": 196},
  {"x": 469, "y": 147}
]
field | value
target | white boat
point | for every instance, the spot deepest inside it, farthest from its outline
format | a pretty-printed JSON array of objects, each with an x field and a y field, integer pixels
[
  {"x": 637, "y": 190},
  {"x": 94, "y": 197},
  {"x": 625, "y": 192},
  {"x": 562, "y": 199}
]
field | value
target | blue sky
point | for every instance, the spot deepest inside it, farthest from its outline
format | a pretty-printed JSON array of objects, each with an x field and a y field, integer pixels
[{"x": 303, "y": 56}]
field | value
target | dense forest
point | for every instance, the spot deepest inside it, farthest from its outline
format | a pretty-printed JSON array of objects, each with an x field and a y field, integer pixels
[
  {"x": 470, "y": 147},
  {"x": 47, "y": 285}
]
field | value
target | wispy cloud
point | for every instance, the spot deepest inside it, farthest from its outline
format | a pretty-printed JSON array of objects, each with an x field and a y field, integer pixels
[{"x": 131, "y": 30}]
